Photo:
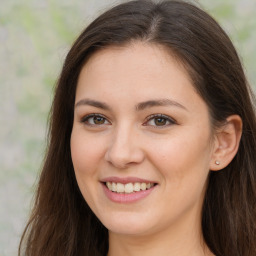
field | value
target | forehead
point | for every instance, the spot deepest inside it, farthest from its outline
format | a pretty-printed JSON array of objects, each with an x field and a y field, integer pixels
[
  {"x": 136, "y": 50},
  {"x": 138, "y": 60},
  {"x": 141, "y": 71}
]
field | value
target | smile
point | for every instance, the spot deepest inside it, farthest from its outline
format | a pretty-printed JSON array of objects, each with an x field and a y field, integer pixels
[
  {"x": 128, "y": 187},
  {"x": 127, "y": 190}
]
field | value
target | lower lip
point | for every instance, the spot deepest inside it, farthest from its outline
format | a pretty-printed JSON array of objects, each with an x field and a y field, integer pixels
[{"x": 126, "y": 198}]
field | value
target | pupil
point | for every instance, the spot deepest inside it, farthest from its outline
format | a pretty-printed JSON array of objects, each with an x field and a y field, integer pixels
[
  {"x": 160, "y": 121},
  {"x": 98, "y": 120}
]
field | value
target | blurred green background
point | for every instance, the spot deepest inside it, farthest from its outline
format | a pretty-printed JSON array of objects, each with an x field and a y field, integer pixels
[{"x": 35, "y": 36}]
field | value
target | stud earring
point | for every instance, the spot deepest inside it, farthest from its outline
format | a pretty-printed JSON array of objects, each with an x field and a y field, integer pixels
[{"x": 217, "y": 162}]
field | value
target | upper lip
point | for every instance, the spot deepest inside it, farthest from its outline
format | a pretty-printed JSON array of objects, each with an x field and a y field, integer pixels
[{"x": 125, "y": 180}]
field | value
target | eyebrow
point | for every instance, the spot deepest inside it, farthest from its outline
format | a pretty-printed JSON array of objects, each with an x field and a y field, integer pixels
[
  {"x": 139, "y": 107},
  {"x": 157, "y": 103},
  {"x": 93, "y": 103}
]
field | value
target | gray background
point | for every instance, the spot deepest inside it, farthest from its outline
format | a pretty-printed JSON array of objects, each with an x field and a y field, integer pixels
[{"x": 34, "y": 39}]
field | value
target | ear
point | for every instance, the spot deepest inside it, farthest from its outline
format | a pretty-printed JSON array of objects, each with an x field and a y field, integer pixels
[{"x": 226, "y": 143}]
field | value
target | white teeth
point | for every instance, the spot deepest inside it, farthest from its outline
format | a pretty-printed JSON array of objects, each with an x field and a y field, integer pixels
[
  {"x": 143, "y": 186},
  {"x": 129, "y": 187},
  {"x": 114, "y": 187},
  {"x": 119, "y": 187},
  {"x": 136, "y": 186},
  {"x": 109, "y": 185}
]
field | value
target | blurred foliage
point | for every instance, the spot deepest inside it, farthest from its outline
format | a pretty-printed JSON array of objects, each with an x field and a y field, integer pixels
[{"x": 35, "y": 36}]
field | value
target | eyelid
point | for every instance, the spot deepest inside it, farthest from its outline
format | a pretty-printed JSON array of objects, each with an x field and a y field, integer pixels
[
  {"x": 86, "y": 117},
  {"x": 168, "y": 118}
]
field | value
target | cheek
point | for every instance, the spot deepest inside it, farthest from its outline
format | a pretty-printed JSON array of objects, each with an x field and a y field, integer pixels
[
  {"x": 183, "y": 156},
  {"x": 85, "y": 156},
  {"x": 85, "y": 152},
  {"x": 183, "y": 165}
]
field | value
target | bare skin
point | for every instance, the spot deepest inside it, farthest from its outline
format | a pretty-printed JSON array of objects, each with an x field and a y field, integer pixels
[{"x": 138, "y": 115}]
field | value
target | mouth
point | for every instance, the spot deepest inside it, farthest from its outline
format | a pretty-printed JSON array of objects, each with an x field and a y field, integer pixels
[{"x": 128, "y": 188}]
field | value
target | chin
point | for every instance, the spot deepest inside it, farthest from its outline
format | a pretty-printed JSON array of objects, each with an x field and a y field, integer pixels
[
  {"x": 129, "y": 230},
  {"x": 127, "y": 225}
]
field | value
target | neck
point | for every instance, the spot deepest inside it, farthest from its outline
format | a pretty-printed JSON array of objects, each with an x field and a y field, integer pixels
[
  {"x": 184, "y": 240},
  {"x": 158, "y": 245}
]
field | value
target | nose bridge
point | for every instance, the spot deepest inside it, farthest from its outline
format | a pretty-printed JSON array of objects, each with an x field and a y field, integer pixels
[{"x": 124, "y": 148}]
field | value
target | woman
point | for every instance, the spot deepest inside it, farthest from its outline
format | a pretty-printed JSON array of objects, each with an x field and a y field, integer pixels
[{"x": 152, "y": 141}]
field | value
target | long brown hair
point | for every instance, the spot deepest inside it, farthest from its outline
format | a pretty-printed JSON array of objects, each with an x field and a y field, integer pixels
[{"x": 61, "y": 222}]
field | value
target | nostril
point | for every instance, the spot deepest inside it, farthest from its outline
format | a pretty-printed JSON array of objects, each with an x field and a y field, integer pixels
[{"x": 123, "y": 153}]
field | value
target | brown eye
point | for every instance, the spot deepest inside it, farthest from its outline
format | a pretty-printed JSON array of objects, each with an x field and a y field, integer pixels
[
  {"x": 98, "y": 120},
  {"x": 159, "y": 121},
  {"x": 95, "y": 119}
]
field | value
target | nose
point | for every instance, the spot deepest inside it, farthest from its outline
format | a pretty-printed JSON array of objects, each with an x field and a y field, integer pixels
[{"x": 124, "y": 148}]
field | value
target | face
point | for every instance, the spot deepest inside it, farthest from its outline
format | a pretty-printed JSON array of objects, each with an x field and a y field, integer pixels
[{"x": 141, "y": 140}]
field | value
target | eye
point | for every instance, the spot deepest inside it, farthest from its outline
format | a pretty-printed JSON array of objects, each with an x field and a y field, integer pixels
[
  {"x": 159, "y": 120},
  {"x": 95, "y": 119}
]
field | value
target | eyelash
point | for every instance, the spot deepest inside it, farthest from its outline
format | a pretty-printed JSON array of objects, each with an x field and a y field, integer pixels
[
  {"x": 160, "y": 116},
  {"x": 168, "y": 119},
  {"x": 87, "y": 117}
]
